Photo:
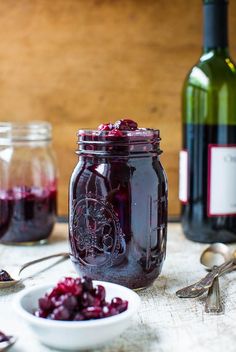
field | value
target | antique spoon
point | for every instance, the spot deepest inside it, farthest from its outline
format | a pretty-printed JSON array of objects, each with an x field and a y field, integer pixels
[
  {"x": 212, "y": 256},
  {"x": 213, "y": 304},
  {"x": 215, "y": 254},
  {"x": 9, "y": 281},
  {"x": 201, "y": 286}
]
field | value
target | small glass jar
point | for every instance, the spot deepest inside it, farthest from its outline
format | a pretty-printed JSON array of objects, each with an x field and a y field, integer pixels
[
  {"x": 118, "y": 207},
  {"x": 28, "y": 183}
]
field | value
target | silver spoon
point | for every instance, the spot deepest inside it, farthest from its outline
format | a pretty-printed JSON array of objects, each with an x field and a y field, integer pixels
[
  {"x": 201, "y": 286},
  {"x": 212, "y": 256},
  {"x": 15, "y": 280},
  {"x": 213, "y": 304},
  {"x": 215, "y": 254}
]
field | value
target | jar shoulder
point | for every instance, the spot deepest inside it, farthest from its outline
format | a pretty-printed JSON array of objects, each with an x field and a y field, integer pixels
[{"x": 138, "y": 169}]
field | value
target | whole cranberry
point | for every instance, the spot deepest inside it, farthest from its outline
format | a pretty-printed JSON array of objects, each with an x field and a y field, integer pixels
[
  {"x": 56, "y": 301},
  {"x": 78, "y": 317},
  {"x": 126, "y": 125},
  {"x": 87, "y": 284},
  {"x": 116, "y": 133},
  {"x": 41, "y": 313},
  {"x": 100, "y": 293},
  {"x": 119, "y": 304},
  {"x": 92, "y": 312},
  {"x": 105, "y": 127},
  {"x": 3, "y": 337},
  {"x": 70, "y": 285},
  {"x": 87, "y": 300},
  {"x": 116, "y": 301},
  {"x": 45, "y": 303},
  {"x": 4, "y": 276},
  {"x": 60, "y": 313},
  {"x": 109, "y": 311},
  {"x": 69, "y": 301},
  {"x": 55, "y": 292}
]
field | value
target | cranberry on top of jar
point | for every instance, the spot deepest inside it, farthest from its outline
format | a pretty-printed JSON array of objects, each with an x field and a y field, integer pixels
[
  {"x": 119, "y": 125},
  {"x": 121, "y": 137}
]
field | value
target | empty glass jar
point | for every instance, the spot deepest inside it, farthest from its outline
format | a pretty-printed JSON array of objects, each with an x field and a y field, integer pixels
[{"x": 28, "y": 183}]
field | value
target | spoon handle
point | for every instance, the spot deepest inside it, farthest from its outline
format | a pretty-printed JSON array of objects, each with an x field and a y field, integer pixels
[
  {"x": 198, "y": 287},
  {"x": 213, "y": 303},
  {"x": 63, "y": 254},
  {"x": 195, "y": 289}
]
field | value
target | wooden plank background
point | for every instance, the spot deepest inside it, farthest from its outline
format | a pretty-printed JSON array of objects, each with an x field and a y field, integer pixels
[{"x": 77, "y": 63}]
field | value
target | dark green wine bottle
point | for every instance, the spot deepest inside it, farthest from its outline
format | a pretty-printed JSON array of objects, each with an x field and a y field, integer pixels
[{"x": 208, "y": 158}]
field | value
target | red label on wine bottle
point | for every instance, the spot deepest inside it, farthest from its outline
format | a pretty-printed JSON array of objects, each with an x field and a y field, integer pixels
[
  {"x": 221, "y": 188},
  {"x": 183, "y": 176}
]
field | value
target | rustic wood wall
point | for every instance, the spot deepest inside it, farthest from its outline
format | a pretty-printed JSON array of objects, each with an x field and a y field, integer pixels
[{"x": 77, "y": 63}]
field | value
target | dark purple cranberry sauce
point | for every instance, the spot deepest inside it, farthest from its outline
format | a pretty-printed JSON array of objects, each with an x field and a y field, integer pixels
[
  {"x": 4, "y": 276},
  {"x": 76, "y": 300},
  {"x": 120, "y": 125},
  {"x": 118, "y": 205},
  {"x": 123, "y": 138},
  {"x": 4, "y": 338},
  {"x": 27, "y": 214}
]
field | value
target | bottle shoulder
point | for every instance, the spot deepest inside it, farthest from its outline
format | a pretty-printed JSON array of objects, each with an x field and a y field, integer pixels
[
  {"x": 212, "y": 71},
  {"x": 209, "y": 93}
]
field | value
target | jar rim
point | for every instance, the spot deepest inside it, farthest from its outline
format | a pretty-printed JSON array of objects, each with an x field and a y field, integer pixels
[
  {"x": 140, "y": 132},
  {"x": 25, "y": 131},
  {"x": 142, "y": 141}
]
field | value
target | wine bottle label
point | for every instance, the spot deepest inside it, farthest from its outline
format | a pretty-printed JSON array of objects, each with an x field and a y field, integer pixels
[
  {"x": 183, "y": 176},
  {"x": 221, "y": 193}
]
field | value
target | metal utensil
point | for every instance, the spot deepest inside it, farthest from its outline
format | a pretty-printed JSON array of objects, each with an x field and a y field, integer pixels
[
  {"x": 15, "y": 280},
  {"x": 198, "y": 288},
  {"x": 216, "y": 254},
  {"x": 212, "y": 256},
  {"x": 213, "y": 304}
]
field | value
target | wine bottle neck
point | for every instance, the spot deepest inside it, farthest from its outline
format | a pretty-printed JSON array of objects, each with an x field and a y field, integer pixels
[{"x": 215, "y": 26}]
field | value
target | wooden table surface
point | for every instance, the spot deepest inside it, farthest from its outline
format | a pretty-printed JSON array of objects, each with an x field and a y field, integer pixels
[{"x": 165, "y": 323}]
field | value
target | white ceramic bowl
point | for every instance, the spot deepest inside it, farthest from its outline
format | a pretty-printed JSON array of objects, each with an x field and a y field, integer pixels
[{"x": 66, "y": 335}]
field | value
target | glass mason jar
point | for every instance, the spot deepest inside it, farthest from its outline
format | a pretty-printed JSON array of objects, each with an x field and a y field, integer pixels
[
  {"x": 28, "y": 183},
  {"x": 118, "y": 207}
]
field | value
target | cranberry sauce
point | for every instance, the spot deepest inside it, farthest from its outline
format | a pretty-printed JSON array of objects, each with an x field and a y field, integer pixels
[
  {"x": 118, "y": 205},
  {"x": 27, "y": 214},
  {"x": 4, "y": 276},
  {"x": 76, "y": 300},
  {"x": 4, "y": 338}
]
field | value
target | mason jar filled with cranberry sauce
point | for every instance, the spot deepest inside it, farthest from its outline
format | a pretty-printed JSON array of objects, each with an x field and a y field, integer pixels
[
  {"x": 118, "y": 205},
  {"x": 28, "y": 183}
]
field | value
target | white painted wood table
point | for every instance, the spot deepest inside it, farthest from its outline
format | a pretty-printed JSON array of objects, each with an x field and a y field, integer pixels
[{"x": 165, "y": 323}]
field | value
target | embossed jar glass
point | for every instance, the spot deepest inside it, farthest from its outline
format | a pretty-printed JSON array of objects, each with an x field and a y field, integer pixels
[{"x": 118, "y": 207}]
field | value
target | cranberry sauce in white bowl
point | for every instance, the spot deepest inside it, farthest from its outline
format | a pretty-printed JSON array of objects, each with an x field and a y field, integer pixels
[{"x": 77, "y": 335}]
